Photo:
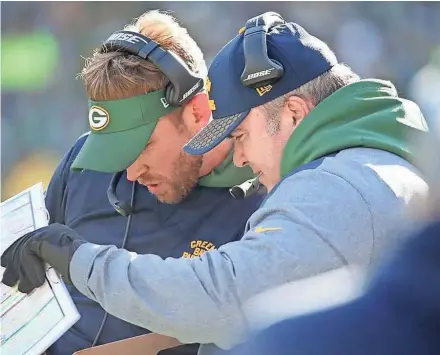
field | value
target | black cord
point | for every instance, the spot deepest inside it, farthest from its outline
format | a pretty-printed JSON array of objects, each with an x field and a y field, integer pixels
[{"x": 124, "y": 241}]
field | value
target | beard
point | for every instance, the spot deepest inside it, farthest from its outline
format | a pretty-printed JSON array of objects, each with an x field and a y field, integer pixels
[{"x": 186, "y": 173}]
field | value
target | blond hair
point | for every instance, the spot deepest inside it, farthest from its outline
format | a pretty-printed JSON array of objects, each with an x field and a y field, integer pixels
[{"x": 117, "y": 75}]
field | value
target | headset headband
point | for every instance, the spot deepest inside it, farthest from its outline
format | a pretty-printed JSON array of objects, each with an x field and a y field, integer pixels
[{"x": 184, "y": 83}]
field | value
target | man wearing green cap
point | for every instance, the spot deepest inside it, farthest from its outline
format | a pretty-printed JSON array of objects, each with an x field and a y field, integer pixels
[
  {"x": 136, "y": 126},
  {"x": 181, "y": 210},
  {"x": 331, "y": 148}
]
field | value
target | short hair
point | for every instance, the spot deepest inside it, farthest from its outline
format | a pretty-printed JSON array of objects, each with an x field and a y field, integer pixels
[
  {"x": 318, "y": 89},
  {"x": 117, "y": 75},
  {"x": 315, "y": 91}
]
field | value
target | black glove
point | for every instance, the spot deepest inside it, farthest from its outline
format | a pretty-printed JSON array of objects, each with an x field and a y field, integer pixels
[{"x": 25, "y": 259}]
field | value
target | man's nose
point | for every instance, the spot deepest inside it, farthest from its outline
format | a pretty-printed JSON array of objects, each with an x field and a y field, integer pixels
[
  {"x": 135, "y": 170},
  {"x": 239, "y": 158}
]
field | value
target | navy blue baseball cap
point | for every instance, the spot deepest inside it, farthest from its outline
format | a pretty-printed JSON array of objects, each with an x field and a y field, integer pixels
[{"x": 303, "y": 56}]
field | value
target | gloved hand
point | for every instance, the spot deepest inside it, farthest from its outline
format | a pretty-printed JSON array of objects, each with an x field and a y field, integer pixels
[{"x": 25, "y": 259}]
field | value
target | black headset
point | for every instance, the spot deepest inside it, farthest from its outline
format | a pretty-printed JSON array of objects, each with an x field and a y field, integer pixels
[
  {"x": 184, "y": 84},
  {"x": 259, "y": 69}
]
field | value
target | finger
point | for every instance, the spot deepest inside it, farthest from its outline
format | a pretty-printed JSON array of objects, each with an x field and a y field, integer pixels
[
  {"x": 6, "y": 258},
  {"x": 25, "y": 287},
  {"x": 32, "y": 276},
  {"x": 12, "y": 273},
  {"x": 8, "y": 254},
  {"x": 37, "y": 273},
  {"x": 10, "y": 276},
  {"x": 31, "y": 266}
]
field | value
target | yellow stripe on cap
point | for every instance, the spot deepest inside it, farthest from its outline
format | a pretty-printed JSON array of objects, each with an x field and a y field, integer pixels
[{"x": 241, "y": 30}]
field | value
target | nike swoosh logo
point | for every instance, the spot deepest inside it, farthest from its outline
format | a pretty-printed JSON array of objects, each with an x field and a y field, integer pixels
[{"x": 266, "y": 229}]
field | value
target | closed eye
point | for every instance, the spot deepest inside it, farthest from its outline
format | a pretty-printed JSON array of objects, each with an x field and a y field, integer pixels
[{"x": 238, "y": 137}]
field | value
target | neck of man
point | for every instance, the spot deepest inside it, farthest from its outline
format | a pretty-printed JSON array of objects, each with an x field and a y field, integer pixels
[{"x": 215, "y": 157}]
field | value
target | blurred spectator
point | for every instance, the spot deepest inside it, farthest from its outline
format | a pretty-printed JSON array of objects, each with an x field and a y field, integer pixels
[{"x": 424, "y": 87}]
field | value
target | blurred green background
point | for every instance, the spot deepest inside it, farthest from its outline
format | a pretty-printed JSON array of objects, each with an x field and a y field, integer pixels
[{"x": 43, "y": 46}]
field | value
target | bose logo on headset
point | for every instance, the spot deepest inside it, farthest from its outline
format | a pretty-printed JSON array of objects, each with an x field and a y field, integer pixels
[
  {"x": 126, "y": 37},
  {"x": 259, "y": 74},
  {"x": 98, "y": 118},
  {"x": 190, "y": 91}
]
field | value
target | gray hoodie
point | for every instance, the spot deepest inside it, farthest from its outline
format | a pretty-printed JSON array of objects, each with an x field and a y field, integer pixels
[{"x": 347, "y": 209}]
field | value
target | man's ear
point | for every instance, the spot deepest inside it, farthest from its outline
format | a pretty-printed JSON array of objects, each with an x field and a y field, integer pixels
[
  {"x": 200, "y": 109},
  {"x": 298, "y": 108}
]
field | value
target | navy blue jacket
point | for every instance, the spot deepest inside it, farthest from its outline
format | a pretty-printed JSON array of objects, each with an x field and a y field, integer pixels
[{"x": 79, "y": 200}]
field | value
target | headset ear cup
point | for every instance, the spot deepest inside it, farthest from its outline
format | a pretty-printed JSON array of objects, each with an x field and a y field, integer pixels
[
  {"x": 260, "y": 69},
  {"x": 170, "y": 93},
  {"x": 272, "y": 69}
]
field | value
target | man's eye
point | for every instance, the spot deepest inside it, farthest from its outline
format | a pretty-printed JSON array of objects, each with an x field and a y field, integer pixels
[{"x": 239, "y": 137}]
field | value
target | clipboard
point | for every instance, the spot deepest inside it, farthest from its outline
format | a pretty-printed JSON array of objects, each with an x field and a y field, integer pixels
[{"x": 31, "y": 323}]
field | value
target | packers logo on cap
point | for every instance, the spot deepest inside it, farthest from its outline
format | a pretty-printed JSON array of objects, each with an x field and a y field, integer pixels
[{"x": 98, "y": 118}]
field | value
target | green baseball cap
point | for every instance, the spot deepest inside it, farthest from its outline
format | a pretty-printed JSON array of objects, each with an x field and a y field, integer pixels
[{"x": 120, "y": 130}]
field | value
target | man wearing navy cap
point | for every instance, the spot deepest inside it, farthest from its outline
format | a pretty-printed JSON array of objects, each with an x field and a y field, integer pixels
[
  {"x": 303, "y": 106},
  {"x": 399, "y": 312},
  {"x": 330, "y": 148}
]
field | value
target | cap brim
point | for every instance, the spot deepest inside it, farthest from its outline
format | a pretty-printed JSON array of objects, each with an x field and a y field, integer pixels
[
  {"x": 113, "y": 152},
  {"x": 214, "y": 133}
]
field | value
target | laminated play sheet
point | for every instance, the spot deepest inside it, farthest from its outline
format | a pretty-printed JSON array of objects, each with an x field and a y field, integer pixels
[{"x": 31, "y": 323}]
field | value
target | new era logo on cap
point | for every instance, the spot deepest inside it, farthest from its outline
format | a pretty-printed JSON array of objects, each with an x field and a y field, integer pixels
[
  {"x": 264, "y": 89},
  {"x": 302, "y": 56}
]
